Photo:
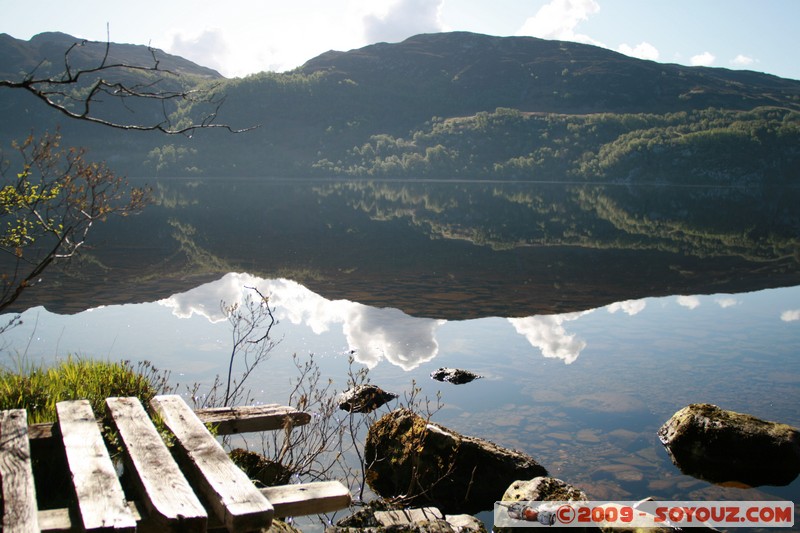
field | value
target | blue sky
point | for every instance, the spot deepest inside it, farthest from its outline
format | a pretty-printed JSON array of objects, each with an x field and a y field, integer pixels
[{"x": 248, "y": 36}]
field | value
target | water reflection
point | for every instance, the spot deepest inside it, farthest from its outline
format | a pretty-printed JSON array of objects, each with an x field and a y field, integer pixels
[
  {"x": 372, "y": 334},
  {"x": 446, "y": 250},
  {"x": 791, "y": 316},
  {"x": 583, "y": 392},
  {"x": 547, "y": 333}
]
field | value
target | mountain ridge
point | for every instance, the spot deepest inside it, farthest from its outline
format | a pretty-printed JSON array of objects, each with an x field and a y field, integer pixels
[
  {"x": 51, "y": 46},
  {"x": 459, "y": 103}
]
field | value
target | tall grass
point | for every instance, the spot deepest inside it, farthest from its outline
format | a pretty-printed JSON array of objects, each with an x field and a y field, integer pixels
[{"x": 38, "y": 388}]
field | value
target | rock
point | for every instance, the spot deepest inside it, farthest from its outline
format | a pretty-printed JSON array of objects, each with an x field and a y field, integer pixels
[
  {"x": 432, "y": 465},
  {"x": 716, "y": 445},
  {"x": 258, "y": 467},
  {"x": 541, "y": 489},
  {"x": 454, "y": 375},
  {"x": 364, "y": 398},
  {"x": 538, "y": 489},
  {"x": 464, "y": 523},
  {"x": 420, "y": 520},
  {"x": 279, "y": 526}
]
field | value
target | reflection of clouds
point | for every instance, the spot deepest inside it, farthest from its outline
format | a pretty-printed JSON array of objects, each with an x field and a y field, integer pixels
[
  {"x": 405, "y": 341},
  {"x": 547, "y": 333},
  {"x": 205, "y": 300},
  {"x": 791, "y": 315},
  {"x": 690, "y": 302},
  {"x": 630, "y": 307},
  {"x": 727, "y": 302},
  {"x": 371, "y": 333}
]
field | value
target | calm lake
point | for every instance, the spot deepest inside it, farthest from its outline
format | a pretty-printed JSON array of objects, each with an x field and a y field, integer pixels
[{"x": 594, "y": 312}]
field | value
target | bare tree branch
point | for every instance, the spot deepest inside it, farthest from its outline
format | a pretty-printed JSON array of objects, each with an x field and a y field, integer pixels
[{"x": 58, "y": 92}]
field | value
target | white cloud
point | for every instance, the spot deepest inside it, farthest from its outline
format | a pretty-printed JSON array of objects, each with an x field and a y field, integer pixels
[
  {"x": 742, "y": 61},
  {"x": 630, "y": 307},
  {"x": 559, "y": 19},
  {"x": 208, "y": 48},
  {"x": 547, "y": 333},
  {"x": 404, "y": 19},
  {"x": 727, "y": 302},
  {"x": 643, "y": 50},
  {"x": 706, "y": 59},
  {"x": 791, "y": 315},
  {"x": 690, "y": 302}
]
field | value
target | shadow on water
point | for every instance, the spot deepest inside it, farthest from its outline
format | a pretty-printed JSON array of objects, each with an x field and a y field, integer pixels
[{"x": 593, "y": 311}]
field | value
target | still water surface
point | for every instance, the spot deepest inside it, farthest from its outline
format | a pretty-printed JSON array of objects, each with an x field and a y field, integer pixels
[{"x": 585, "y": 328}]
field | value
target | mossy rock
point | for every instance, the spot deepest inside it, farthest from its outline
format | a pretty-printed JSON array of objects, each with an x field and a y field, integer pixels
[
  {"x": 259, "y": 468},
  {"x": 432, "y": 465},
  {"x": 717, "y": 445}
]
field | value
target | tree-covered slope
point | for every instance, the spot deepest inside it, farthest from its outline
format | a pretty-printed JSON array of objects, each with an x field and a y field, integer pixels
[{"x": 469, "y": 105}]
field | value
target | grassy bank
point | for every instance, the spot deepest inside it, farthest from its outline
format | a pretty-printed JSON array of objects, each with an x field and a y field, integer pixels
[{"x": 38, "y": 388}]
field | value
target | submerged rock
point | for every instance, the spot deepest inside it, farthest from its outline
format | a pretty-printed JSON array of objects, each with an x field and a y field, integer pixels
[
  {"x": 454, "y": 375},
  {"x": 364, "y": 398},
  {"x": 432, "y": 465},
  {"x": 259, "y": 468},
  {"x": 710, "y": 443}
]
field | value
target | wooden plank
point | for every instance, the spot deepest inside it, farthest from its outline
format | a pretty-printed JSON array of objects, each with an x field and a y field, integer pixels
[
  {"x": 288, "y": 500},
  {"x": 307, "y": 498},
  {"x": 246, "y": 419},
  {"x": 229, "y": 420},
  {"x": 165, "y": 493},
  {"x": 58, "y": 520},
  {"x": 235, "y": 500},
  {"x": 101, "y": 502},
  {"x": 20, "y": 513}
]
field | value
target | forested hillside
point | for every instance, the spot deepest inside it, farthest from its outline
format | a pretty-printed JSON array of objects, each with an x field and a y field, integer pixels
[{"x": 463, "y": 105}]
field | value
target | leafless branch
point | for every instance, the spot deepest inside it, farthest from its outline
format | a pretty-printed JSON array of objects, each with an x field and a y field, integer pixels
[{"x": 58, "y": 92}]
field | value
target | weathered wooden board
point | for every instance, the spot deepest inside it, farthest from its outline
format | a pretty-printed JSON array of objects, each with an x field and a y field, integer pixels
[
  {"x": 307, "y": 498},
  {"x": 228, "y": 420},
  {"x": 101, "y": 502},
  {"x": 289, "y": 500},
  {"x": 60, "y": 520},
  {"x": 20, "y": 513},
  {"x": 246, "y": 419},
  {"x": 164, "y": 491},
  {"x": 236, "y": 501}
]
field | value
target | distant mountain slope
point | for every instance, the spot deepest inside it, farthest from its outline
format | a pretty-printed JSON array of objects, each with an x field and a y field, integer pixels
[
  {"x": 479, "y": 73},
  {"x": 460, "y": 104},
  {"x": 45, "y": 53}
]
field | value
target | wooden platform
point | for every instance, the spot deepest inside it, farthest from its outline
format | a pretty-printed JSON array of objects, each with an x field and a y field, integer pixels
[{"x": 192, "y": 487}]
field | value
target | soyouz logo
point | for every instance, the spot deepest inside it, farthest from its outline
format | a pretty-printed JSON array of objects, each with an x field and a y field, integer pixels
[{"x": 645, "y": 513}]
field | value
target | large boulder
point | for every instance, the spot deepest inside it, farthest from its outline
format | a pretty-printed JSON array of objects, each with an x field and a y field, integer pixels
[
  {"x": 432, "y": 465},
  {"x": 710, "y": 443}
]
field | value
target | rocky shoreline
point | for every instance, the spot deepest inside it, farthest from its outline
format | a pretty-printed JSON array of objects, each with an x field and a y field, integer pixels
[{"x": 445, "y": 477}]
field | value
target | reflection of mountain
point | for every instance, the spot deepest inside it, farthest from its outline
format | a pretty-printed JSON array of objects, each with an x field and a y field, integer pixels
[
  {"x": 755, "y": 223},
  {"x": 448, "y": 250}
]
